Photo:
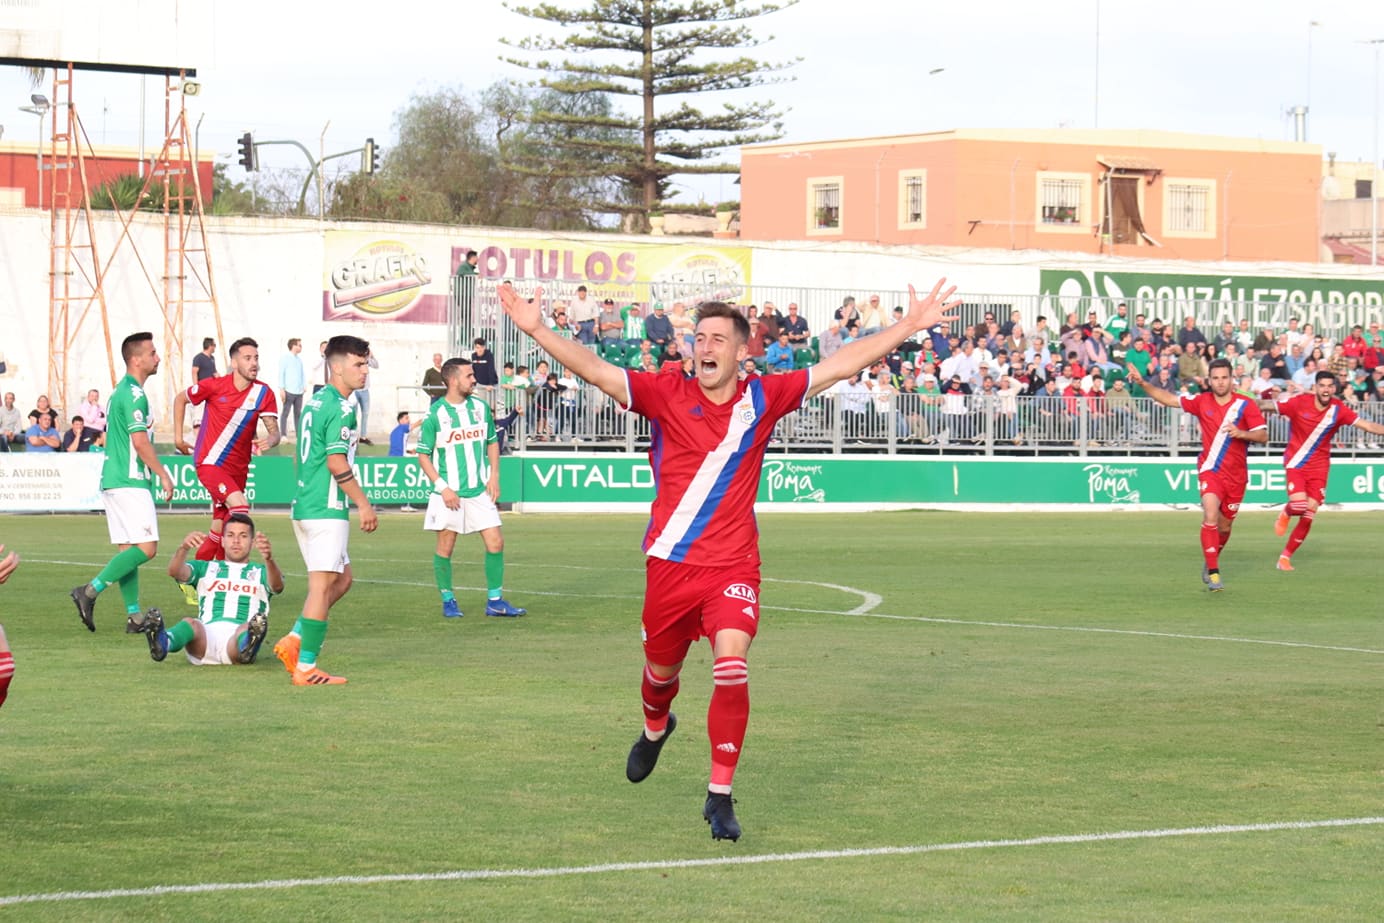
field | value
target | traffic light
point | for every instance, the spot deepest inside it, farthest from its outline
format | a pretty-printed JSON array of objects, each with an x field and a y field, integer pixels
[
  {"x": 370, "y": 158},
  {"x": 246, "y": 147}
]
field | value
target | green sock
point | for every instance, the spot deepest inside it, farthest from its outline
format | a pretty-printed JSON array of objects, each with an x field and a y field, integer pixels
[
  {"x": 494, "y": 573},
  {"x": 314, "y": 633},
  {"x": 119, "y": 566},
  {"x": 298, "y": 627},
  {"x": 129, "y": 589},
  {"x": 179, "y": 635},
  {"x": 442, "y": 574}
]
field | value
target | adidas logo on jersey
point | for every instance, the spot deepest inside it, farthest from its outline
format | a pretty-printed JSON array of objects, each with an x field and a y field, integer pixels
[{"x": 740, "y": 591}]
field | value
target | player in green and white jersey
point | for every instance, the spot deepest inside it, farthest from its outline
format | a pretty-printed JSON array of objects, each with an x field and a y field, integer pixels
[
  {"x": 321, "y": 521},
  {"x": 125, "y": 485},
  {"x": 232, "y": 598},
  {"x": 458, "y": 451}
]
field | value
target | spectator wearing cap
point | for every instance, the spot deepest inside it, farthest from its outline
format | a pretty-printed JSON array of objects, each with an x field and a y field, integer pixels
[
  {"x": 609, "y": 325},
  {"x": 657, "y": 327}
]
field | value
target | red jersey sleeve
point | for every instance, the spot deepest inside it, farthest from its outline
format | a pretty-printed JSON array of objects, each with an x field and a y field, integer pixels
[
  {"x": 784, "y": 394},
  {"x": 650, "y": 393},
  {"x": 1346, "y": 415},
  {"x": 1189, "y": 403},
  {"x": 200, "y": 391},
  {"x": 1253, "y": 418}
]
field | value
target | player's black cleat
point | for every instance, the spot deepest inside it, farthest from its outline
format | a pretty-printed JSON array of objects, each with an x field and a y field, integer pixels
[
  {"x": 644, "y": 753},
  {"x": 719, "y": 812},
  {"x": 86, "y": 607},
  {"x": 256, "y": 627},
  {"x": 157, "y": 637}
]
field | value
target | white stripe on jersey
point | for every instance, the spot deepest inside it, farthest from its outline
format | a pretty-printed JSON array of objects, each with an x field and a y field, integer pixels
[
  {"x": 237, "y": 420},
  {"x": 1218, "y": 446},
  {"x": 1327, "y": 421},
  {"x": 702, "y": 483}
]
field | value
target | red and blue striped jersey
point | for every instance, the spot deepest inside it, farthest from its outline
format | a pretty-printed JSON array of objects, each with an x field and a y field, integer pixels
[
  {"x": 1310, "y": 430},
  {"x": 706, "y": 459},
  {"x": 229, "y": 421},
  {"x": 1219, "y": 452}
]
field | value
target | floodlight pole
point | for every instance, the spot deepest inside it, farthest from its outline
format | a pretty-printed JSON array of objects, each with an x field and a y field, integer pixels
[{"x": 39, "y": 111}]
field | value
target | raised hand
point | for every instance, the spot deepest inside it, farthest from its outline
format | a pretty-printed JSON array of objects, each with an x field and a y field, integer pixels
[
  {"x": 925, "y": 313},
  {"x": 523, "y": 311}
]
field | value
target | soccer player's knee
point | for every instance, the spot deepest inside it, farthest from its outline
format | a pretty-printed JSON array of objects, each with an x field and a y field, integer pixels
[{"x": 343, "y": 582}]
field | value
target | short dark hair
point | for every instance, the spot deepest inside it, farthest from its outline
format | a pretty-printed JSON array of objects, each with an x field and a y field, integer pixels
[
  {"x": 478, "y": 341},
  {"x": 76, "y": 419},
  {"x": 242, "y": 519},
  {"x": 294, "y": 342},
  {"x": 1325, "y": 374},
  {"x": 208, "y": 342},
  {"x": 452, "y": 368},
  {"x": 1219, "y": 364},
  {"x": 243, "y": 341},
  {"x": 471, "y": 253},
  {"x": 130, "y": 345},
  {"x": 400, "y": 417},
  {"x": 346, "y": 346},
  {"x": 721, "y": 309}
]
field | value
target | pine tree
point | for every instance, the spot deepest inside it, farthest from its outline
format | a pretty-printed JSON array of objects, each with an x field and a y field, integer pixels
[{"x": 658, "y": 49}]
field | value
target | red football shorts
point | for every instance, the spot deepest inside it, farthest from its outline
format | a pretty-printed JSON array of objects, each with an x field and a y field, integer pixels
[
  {"x": 1230, "y": 491},
  {"x": 1312, "y": 483},
  {"x": 684, "y": 602},
  {"x": 220, "y": 483}
]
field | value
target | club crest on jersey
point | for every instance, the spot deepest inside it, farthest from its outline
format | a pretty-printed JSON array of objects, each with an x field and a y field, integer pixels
[
  {"x": 746, "y": 412},
  {"x": 139, "y": 416},
  {"x": 345, "y": 434},
  {"x": 740, "y": 591}
]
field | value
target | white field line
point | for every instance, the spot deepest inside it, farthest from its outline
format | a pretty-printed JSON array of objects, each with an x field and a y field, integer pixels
[
  {"x": 871, "y": 600},
  {"x": 659, "y": 865}
]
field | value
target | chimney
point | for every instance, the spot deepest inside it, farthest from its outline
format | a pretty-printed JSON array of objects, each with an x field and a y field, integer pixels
[{"x": 1299, "y": 114}]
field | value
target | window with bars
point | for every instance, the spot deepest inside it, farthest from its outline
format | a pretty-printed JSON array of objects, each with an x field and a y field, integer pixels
[
  {"x": 1061, "y": 201},
  {"x": 826, "y": 206},
  {"x": 1188, "y": 207},
  {"x": 914, "y": 205}
]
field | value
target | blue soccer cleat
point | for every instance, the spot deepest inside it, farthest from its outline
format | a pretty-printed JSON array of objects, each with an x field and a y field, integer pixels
[
  {"x": 450, "y": 609},
  {"x": 501, "y": 609},
  {"x": 156, "y": 635}
]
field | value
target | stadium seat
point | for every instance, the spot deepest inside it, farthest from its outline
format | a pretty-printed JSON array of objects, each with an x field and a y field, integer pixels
[
  {"x": 816, "y": 344},
  {"x": 613, "y": 353},
  {"x": 802, "y": 358},
  {"x": 761, "y": 363}
]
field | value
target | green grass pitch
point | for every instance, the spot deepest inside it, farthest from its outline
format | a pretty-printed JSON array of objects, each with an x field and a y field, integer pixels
[{"x": 921, "y": 680}]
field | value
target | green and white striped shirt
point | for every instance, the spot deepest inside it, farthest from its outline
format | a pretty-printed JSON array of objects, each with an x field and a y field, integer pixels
[
  {"x": 455, "y": 438},
  {"x": 228, "y": 592}
]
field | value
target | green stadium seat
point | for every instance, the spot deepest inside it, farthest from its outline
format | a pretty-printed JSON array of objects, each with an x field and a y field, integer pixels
[
  {"x": 614, "y": 353},
  {"x": 803, "y": 357}
]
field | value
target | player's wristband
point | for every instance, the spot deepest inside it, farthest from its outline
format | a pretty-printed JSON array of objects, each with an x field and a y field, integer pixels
[{"x": 440, "y": 485}]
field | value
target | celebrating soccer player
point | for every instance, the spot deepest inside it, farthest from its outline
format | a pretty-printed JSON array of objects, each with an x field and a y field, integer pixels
[
  {"x": 1229, "y": 423},
  {"x": 709, "y": 434},
  {"x": 1313, "y": 419},
  {"x": 126, "y": 474},
  {"x": 321, "y": 521},
  {"x": 459, "y": 453},
  {"x": 235, "y": 403},
  {"x": 233, "y": 598}
]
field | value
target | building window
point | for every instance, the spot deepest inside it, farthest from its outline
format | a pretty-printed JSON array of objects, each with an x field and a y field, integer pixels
[
  {"x": 1061, "y": 201},
  {"x": 913, "y": 199},
  {"x": 1363, "y": 189},
  {"x": 824, "y": 201},
  {"x": 1189, "y": 207}
]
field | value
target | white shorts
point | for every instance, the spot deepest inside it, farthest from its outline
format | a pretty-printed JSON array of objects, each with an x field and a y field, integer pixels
[
  {"x": 219, "y": 634},
  {"x": 130, "y": 515},
  {"x": 323, "y": 543},
  {"x": 476, "y": 514}
]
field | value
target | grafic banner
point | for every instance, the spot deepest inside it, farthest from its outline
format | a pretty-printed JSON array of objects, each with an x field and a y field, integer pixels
[
  {"x": 604, "y": 481},
  {"x": 1330, "y": 305},
  {"x": 374, "y": 277}
]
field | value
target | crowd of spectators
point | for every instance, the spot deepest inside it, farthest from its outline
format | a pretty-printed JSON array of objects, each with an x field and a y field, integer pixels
[{"x": 43, "y": 429}]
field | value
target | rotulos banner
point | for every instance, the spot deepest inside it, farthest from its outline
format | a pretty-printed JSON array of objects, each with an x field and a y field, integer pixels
[{"x": 596, "y": 482}]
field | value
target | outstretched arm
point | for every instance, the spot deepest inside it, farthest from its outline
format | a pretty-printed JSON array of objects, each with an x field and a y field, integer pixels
[
  {"x": 583, "y": 363},
  {"x": 178, "y": 568},
  {"x": 923, "y": 313},
  {"x": 1161, "y": 395}
]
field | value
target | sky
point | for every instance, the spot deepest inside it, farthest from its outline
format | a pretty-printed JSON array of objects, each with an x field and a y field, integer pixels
[{"x": 293, "y": 71}]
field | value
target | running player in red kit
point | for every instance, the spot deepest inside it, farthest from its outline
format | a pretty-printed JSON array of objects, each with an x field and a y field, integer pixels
[
  {"x": 708, "y": 436},
  {"x": 1229, "y": 423},
  {"x": 235, "y": 403},
  {"x": 1313, "y": 419}
]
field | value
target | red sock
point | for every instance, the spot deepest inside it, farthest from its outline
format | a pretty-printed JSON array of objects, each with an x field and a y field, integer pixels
[
  {"x": 1296, "y": 507},
  {"x": 1225, "y": 538},
  {"x": 1300, "y": 533},
  {"x": 658, "y": 695},
  {"x": 6, "y": 671},
  {"x": 1211, "y": 546},
  {"x": 727, "y": 717},
  {"x": 210, "y": 549}
]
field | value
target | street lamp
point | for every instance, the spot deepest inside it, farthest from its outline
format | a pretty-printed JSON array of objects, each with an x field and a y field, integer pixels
[{"x": 39, "y": 107}]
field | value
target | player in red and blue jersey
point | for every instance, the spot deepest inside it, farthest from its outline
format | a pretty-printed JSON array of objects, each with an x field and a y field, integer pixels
[
  {"x": 1229, "y": 423},
  {"x": 235, "y": 404},
  {"x": 708, "y": 436},
  {"x": 1313, "y": 418}
]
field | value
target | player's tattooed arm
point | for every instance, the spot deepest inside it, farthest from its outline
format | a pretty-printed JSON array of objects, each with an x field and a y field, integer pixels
[{"x": 272, "y": 435}]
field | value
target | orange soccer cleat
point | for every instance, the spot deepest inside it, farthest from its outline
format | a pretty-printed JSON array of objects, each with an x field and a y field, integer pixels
[
  {"x": 316, "y": 677},
  {"x": 1285, "y": 563},
  {"x": 287, "y": 651},
  {"x": 1280, "y": 525}
]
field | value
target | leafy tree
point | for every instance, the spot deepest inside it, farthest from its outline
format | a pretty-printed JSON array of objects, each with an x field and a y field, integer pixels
[{"x": 654, "y": 43}]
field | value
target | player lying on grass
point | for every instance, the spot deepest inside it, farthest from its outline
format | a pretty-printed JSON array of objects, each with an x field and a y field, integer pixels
[{"x": 232, "y": 598}]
